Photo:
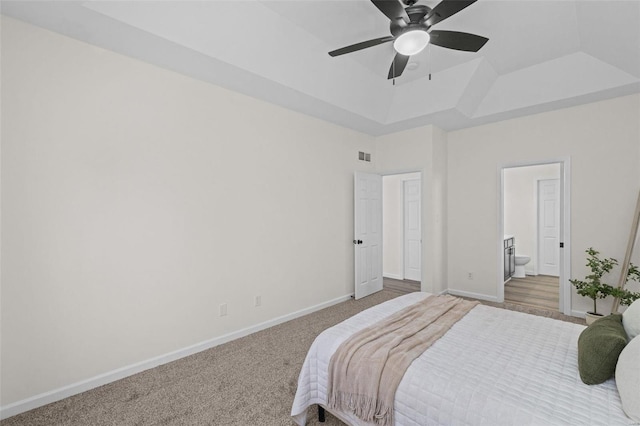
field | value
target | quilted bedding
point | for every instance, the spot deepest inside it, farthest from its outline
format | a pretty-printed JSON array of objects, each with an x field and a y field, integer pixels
[{"x": 494, "y": 367}]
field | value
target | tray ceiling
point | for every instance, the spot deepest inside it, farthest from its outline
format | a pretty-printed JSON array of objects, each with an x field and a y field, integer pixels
[{"x": 541, "y": 55}]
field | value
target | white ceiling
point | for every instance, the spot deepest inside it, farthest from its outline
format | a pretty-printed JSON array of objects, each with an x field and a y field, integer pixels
[{"x": 541, "y": 55}]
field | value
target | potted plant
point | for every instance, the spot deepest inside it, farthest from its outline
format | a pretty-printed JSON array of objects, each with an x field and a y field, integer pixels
[
  {"x": 592, "y": 285},
  {"x": 627, "y": 297}
]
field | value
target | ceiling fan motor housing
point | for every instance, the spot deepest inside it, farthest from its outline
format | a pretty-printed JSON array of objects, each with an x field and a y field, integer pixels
[{"x": 416, "y": 14}]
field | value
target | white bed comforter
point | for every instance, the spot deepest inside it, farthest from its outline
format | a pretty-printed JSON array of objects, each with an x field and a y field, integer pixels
[{"x": 494, "y": 367}]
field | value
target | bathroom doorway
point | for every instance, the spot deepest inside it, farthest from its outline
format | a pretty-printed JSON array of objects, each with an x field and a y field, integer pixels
[
  {"x": 402, "y": 231},
  {"x": 534, "y": 221}
]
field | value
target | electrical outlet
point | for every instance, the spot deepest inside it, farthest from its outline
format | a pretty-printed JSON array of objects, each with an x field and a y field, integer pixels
[
  {"x": 258, "y": 301},
  {"x": 223, "y": 310},
  {"x": 470, "y": 276}
]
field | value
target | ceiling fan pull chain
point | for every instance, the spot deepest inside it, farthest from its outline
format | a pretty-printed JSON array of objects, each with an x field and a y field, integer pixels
[
  {"x": 393, "y": 64},
  {"x": 429, "y": 59}
]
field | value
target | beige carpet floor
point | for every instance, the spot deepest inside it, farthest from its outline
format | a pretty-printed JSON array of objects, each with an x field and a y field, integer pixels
[{"x": 250, "y": 381}]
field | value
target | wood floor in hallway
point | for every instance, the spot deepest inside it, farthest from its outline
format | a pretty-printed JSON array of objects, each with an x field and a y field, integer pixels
[
  {"x": 541, "y": 291},
  {"x": 400, "y": 286},
  {"x": 532, "y": 295}
]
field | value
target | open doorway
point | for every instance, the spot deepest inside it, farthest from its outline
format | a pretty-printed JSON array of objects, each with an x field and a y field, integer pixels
[
  {"x": 533, "y": 230},
  {"x": 402, "y": 231}
]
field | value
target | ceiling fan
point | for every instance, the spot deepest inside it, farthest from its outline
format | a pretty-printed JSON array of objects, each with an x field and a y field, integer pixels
[{"x": 411, "y": 31}]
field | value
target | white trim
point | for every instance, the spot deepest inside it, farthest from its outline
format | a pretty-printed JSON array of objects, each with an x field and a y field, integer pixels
[
  {"x": 565, "y": 253},
  {"x": 393, "y": 276},
  {"x": 500, "y": 236},
  {"x": 471, "y": 295},
  {"x": 120, "y": 373},
  {"x": 579, "y": 314}
]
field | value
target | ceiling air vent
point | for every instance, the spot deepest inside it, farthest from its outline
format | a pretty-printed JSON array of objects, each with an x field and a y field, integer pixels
[{"x": 364, "y": 156}]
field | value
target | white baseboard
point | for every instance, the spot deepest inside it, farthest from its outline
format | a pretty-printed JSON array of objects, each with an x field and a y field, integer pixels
[
  {"x": 478, "y": 296},
  {"x": 579, "y": 314},
  {"x": 120, "y": 373},
  {"x": 393, "y": 276}
]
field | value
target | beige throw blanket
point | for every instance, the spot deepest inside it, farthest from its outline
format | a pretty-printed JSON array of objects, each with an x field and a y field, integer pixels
[{"x": 367, "y": 368}]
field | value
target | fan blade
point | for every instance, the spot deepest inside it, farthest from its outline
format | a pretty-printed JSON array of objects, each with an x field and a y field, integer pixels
[
  {"x": 361, "y": 45},
  {"x": 457, "y": 40},
  {"x": 397, "y": 66},
  {"x": 392, "y": 9},
  {"x": 445, "y": 9}
]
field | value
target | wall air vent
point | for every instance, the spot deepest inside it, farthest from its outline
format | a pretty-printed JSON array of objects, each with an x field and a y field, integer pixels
[{"x": 364, "y": 156}]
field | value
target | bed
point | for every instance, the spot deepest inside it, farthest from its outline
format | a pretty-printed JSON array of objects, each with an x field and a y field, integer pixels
[{"x": 493, "y": 367}]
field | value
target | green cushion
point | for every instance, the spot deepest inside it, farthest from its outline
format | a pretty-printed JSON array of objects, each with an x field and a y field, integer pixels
[{"x": 599, "y": 347}]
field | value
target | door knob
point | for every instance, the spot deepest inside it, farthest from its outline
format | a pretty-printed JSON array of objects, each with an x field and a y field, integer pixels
[{"x": 357, "y": 241}]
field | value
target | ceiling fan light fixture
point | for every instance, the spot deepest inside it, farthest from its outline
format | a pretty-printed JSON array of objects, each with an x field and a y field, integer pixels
[{"x": 411, "y": 42}]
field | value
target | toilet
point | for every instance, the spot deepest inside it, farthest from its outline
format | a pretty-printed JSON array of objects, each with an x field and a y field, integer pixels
[{"x": 520, "y": 261}]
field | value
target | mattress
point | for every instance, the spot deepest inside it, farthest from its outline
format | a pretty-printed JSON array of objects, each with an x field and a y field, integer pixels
[{"x": 493, "y": 367}]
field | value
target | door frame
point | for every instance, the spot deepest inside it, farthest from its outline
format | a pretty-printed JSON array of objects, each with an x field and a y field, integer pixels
[
  {"x": 565, "y": 227},
  {"x": 422, "y": 224}
]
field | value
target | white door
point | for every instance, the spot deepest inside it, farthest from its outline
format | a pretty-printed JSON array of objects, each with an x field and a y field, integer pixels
[
  {"x": 412, "y": 233},
  {"x": 368, "y": 233},
  {"x": 549, "y": 227}
]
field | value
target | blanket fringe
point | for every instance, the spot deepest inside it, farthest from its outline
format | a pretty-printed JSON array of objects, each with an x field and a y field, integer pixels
[{"x": 364, "y": 407}]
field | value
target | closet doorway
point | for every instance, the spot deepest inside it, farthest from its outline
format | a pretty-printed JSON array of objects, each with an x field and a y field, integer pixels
[{"x": 402, "y": 230}]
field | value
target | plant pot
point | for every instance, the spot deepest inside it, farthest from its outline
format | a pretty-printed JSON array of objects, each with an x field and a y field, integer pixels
[{"x": 591, "y": 317}]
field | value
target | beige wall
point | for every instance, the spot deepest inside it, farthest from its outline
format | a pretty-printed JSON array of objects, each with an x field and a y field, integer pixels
[
  {"x": 437, "y": 210},
  {"x": 521, "y": 207},
  {"x": 136, "y": 201},
  {"x": 602, "y": 141},
  {"x": 423, "y": 149}
]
